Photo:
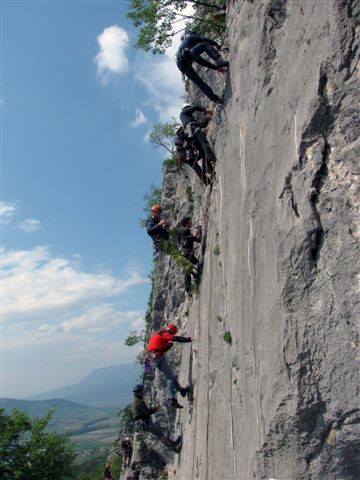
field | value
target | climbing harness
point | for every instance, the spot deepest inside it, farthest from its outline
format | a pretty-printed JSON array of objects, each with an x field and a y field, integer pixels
[{"x": 149, "y": 367}]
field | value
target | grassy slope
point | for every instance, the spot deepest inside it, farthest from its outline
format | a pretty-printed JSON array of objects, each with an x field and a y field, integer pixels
[{"x": 91, "y": 427}]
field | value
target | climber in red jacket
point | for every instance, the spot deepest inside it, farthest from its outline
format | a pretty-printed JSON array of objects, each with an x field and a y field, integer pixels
[
  {"x": 159, "y": 343},
  {"x": 107, "y": 472}
]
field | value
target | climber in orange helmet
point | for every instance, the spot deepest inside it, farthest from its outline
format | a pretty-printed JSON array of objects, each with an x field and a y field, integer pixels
[
  {"x": 159, "y": 343},
  {"x": 156, "y": 227}
]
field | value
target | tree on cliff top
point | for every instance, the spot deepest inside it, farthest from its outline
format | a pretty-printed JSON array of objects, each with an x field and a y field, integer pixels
[
  {"x": 27, "y": 452},
  {"x": 157, "y": 20},
  {"x": 162, "y": 135}
]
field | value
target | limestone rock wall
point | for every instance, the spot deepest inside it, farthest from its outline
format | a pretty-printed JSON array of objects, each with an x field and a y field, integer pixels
[
  {"x": 282, "y": 255},
  {"x": 275, "y": 363}
]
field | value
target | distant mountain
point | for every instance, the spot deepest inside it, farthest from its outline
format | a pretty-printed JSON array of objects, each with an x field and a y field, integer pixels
[
  {"x": 90, "y": 427},
  {"x": 104, "y": 387}
]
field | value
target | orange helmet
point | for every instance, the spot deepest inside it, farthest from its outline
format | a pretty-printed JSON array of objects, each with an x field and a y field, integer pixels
[
  {"x": 156, "y": 208},
  {"x": 172, "y": 328}
]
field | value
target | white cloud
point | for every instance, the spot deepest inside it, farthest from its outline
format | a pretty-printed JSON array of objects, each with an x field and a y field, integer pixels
[
  {"x": 30, "y": 225},
  {"x": 100, "y": 318},
  {"x": 138, "y": 324},
  {"x": 35, "y": 282},
  {"x": 162, "y": 80},
  {"x": 139, "y": 119},
  {"x": 7, "y": 211},
  {"x": 60, "y": 320},
  {"x": 111, "y": 59}
]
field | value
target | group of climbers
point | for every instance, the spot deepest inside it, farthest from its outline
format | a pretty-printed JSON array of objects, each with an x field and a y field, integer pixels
[
  {"x": 191, "y": 146},
  {"x": 190, "y": 140},
  {"x": 158, "y": 229},
  {"x": 159, "y": 343}
]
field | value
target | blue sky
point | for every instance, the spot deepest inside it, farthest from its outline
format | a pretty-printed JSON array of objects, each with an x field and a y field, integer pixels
[{"x": 77, "y": 104}]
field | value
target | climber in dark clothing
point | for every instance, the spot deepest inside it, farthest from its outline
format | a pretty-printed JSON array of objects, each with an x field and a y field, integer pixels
[
  {"x": 186, "y": 152},
  {"x": 190, "y": 155},
  {"x": 190, "y": 50},
  {"x": 142, "y": 414},
  {"x": 193, "y": 130},
  {"x": 126, "y": 448},
  {"x": 158, "y": 229},
  {"x": 187, "y": 240}
]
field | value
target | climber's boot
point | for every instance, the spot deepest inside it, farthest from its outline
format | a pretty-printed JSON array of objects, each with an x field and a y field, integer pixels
[
  {"x": 184, "y": 391},
  {"x": 178, "y": 444},
  {"x": 174, "y": 403},
  {"x": 220, "y": 63}
]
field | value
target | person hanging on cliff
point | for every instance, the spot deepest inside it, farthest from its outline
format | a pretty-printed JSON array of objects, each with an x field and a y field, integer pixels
[
  {"x": 142, "y": 415},
  {"x": 107, "y": 472},
  {"x": 193, "y": 130},
  {"x": 187, "y": 240},
  {"x": 159, "y": 343},
  {"x": 191, "y": 48},
  {"x": 190, "y": 154},
  {"x": 126, "y": 449},
  {"x": 158, "y": 229}
]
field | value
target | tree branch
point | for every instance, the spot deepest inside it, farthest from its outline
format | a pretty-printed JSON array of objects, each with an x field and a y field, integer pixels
[{"x": 196, "y": 2}]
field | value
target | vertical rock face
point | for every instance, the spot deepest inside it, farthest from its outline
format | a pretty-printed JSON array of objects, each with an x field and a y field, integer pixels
[
  {"x": 275, "y": 362},
  {"x": 282, "y": 258}
]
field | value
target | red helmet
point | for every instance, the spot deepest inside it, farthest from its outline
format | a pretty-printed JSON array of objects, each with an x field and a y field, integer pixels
[
  {"x": 156, "y": 208},
  {"x": 107, "y": 466},
  {"x": 172, "y": 328}
]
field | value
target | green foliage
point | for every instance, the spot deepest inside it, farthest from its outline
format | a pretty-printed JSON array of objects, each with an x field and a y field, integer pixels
[
  {"x": 127, "y": 424},
  {"x": 116, "y": 467},
  {"x": 195, "y": 288},
  {"x": 162, "y": 135},
  {"x": 148, "y": 318},
  {"x": 227, "y": 337},
  {"x": 171, "y": 249},
  {"x": 216, "y": 250},
  {"x": 170, "y": 163},
  {"x": 164, "y": 475},
  {"x": 174, "y": 234},
  {"x": 188, "y": 194},
  {"x": 150, "y": 198},
  {"x": 27, "y": 452},
  {"x": 93, "y": 468},
  {"x": 134, "y": 338},
  {"x": 157, "y": 21}
]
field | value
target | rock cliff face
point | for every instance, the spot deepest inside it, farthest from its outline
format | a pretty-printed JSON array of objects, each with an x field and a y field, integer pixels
[{"x": 275, "y": 363}]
